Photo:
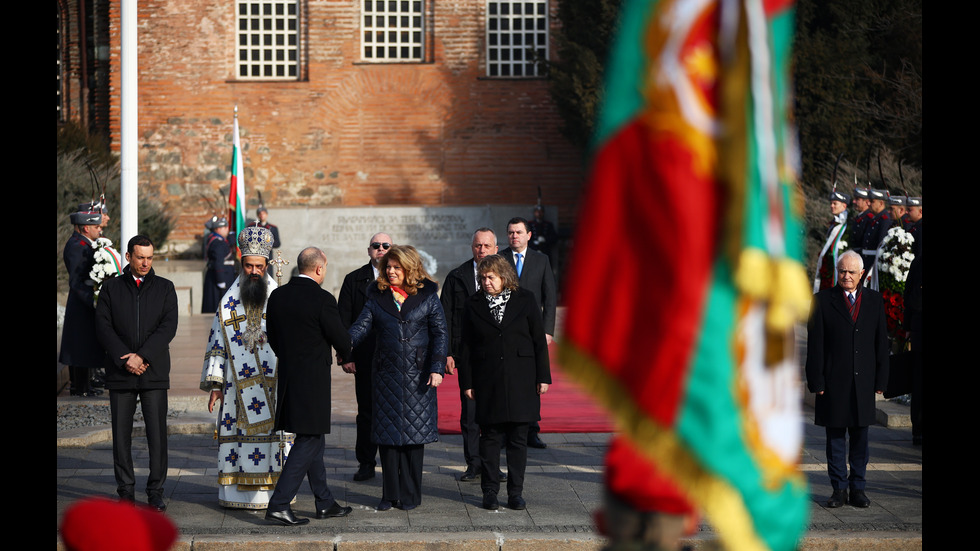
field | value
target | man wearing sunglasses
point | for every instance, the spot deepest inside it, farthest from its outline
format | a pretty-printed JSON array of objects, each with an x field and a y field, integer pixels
[{"x": 353, "y": 295}]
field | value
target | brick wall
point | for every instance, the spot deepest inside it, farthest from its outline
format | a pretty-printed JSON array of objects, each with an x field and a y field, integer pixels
[{"x": 349, "y": 133}]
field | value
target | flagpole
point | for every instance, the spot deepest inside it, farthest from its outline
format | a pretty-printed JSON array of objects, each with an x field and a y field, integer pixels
[{"x": 128, "y": 131}]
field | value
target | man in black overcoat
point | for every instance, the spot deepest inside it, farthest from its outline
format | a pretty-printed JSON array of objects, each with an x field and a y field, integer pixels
[
  {"x": 135, "y": 320},
  {"x": 353, "y": 295},
  {"x": 535, "y": 275},
  {"x": 303, "y": 323},
  {"x": 846, "y": 364}
]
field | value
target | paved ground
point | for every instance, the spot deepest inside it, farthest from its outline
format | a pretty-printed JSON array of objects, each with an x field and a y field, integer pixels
[{"x": 563, "y": 486}]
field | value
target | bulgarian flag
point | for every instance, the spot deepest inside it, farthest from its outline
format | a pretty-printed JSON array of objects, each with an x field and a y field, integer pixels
[
  {"x": 236, "y": 191},
  {"x": 684, "y": 327}
]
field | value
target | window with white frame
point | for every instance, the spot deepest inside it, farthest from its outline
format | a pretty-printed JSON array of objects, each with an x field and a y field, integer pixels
[
  {"x": 268, "y": 39},
  {"x": 517, "y": 38},
  {"x": 392, "y": 30}
]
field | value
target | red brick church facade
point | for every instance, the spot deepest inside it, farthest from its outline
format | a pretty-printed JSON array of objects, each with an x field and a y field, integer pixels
[{"x": 346, "y": 103}]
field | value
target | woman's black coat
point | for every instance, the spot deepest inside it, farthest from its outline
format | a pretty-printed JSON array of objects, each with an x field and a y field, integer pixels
[
  {"x": 503, "y": 363},
  {"x": 410, "y": 344}
]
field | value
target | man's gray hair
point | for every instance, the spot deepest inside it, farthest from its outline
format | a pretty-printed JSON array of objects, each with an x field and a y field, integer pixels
[
  {"x": 486, "y": 230},
  {"x": 849, "y": 254}
]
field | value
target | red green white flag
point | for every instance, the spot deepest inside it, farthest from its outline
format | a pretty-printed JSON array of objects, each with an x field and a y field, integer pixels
[
  {"x": 685, "y": 331},
  {"x": 236, "y": 191}
]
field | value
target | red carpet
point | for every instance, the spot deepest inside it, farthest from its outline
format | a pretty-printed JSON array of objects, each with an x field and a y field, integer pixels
[{"x": 564, "y": 408}]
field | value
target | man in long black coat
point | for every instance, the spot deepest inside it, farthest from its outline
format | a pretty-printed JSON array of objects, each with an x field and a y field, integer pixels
[
  {"x": 846, "y": 364},
  {"x": 303, "y": 323},
  {"x": 353, "y": 295}
]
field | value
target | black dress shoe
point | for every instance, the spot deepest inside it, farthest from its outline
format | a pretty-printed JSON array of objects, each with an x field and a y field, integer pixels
[
  {"x": 490, "y": 501},
  {"x": 364, "y": 472},
  {"x": 534, "y": 441},
  {"x": 286, "y": 518},
  {"x": 385, "y": 505},
  {"x": 334, "y": 511},
  {"x": 837, "y": 499},
  {"x": 157, "y": 503},
  {"x": 503, "y": 476},
  {"x": 517, "y": 503},
  {"x": 858, "y": 499},
  {"x": 404, "y": 507},
  {"x": 469, "y": 476}
]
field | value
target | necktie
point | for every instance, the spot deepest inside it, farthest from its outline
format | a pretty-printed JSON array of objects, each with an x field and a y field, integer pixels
[
  {"x": 138, "y": 282},
  {"x": 520, "y": 264},
  {"x": 850, "y": 298}
]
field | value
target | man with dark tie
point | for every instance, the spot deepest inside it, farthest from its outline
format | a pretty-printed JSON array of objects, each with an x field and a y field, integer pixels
[
  {"x": 846, "y": 364},
  {"x": 534, "y": 273},
  {"x": 459, "y": 285},
  {"x": 135, "y": 320}
]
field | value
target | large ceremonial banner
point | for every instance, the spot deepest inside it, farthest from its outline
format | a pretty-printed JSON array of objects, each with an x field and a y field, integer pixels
[
  {"x": 692, "y": 351},
  {"x": 236, "y": 191}
]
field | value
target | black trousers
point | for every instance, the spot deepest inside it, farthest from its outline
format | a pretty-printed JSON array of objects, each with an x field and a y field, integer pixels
[
  {"x": 470, "y": 432},
  {"x": 122, "y": 409},
  {"x": 492, "y": 437},
  {"x": 401, "y": 473},
  {"x": 364, "y": 449},
  {"x": 305, "y": 460},
  {"x": 840, "y": 452}
]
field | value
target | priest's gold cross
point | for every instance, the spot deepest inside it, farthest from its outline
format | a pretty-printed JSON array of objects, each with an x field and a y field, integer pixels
[
  {"x": 278, "y": 262},
  {"x": 235, "y": 320}
]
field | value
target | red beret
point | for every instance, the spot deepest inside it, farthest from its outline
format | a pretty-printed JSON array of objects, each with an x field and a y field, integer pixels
[{"x": 107, "y": 525}]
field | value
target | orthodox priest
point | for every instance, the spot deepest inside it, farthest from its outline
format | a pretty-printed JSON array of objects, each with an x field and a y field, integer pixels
[{"x": 240, "y": 372}]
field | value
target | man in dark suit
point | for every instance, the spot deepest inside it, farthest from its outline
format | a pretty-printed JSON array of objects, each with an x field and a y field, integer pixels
[
  {"x": 535, "y": 275},
  {"x": 303, "y": 323},
  {"x": 846, "y": 364},
  {"x": 136, "y": 318},
  {"x": 80, "y": 349},
  {"x": 460, "y": 283},
  {"x": 353, "y": 295}
]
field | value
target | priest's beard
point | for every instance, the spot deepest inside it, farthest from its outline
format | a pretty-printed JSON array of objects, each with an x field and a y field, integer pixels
[{"x": 254, "y": 289}]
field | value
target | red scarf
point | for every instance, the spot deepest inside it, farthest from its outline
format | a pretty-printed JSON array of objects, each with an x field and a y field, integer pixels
[{"x": 399, "y": 295}]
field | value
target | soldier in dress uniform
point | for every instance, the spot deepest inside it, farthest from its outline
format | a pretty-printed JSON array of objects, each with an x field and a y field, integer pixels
[
  {"x": 875, "y": 234},
  {"x": 263, "y": 222},
  {"x": 836, "y": 229},
  {"x": 914, "y": 207},
  {"x": 220, "y": 271},
  {"x": 862, "y": 217},
  {"x": 898, "y": 212},
  {"x": 80, "y": 349}
]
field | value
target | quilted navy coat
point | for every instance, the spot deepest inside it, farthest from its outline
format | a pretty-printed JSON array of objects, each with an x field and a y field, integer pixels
[{"x": 410, "y": 344}]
